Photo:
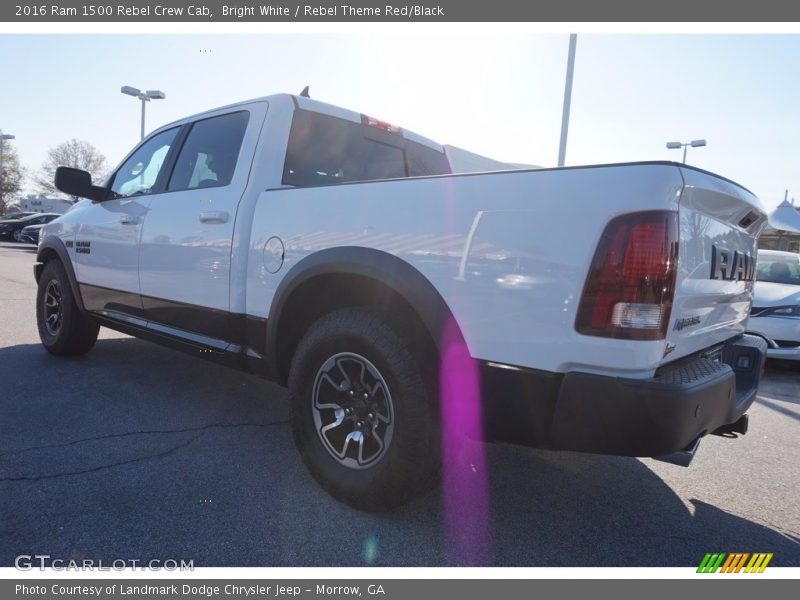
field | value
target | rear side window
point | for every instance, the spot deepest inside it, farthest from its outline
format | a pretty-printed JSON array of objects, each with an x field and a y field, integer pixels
[
  {"x": 324, "y": 150},
  {"x": 209, "y": 154}
]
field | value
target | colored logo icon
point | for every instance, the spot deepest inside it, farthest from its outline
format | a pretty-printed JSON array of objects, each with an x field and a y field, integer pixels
[{"x": 734, "y": 562}]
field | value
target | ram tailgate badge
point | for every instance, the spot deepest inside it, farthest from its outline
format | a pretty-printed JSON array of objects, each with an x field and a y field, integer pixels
[{"x": 733, "y": 266}]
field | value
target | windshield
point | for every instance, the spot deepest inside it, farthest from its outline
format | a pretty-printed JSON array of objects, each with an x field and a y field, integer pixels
[
  {"x": 778, "y": 270},
  {"x": 37, "y": 218}
]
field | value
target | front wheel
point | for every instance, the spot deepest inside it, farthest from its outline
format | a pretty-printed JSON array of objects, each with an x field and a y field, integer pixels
[
  {"x": 364, "y": 418},
  {"x": 63, "y": 329}
]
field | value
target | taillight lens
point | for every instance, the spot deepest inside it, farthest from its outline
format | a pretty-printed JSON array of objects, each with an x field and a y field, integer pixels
[{"x": 631, "y": 281}]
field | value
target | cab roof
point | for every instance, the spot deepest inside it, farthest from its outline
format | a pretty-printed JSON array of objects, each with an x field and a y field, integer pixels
[{"x": 305, "y": 104}]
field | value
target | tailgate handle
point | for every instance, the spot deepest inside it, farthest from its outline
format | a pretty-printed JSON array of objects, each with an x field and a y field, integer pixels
[
  {"x": 129, "y": 220},
  {"x": 214, "y": 216}
]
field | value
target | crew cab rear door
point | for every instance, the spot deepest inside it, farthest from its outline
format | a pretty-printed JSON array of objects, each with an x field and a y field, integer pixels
[{"x": 185, "y": 248}]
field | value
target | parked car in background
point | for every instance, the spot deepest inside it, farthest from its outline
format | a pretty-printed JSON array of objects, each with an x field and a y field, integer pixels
[
  {"x": 776, "y": 303},
  {"x": 9, "y": 228},
  {"x": 15, "y": 216},
  {"x": 30, "y": 234}
]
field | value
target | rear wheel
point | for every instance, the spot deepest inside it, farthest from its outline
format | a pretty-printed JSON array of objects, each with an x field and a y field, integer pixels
[
  {"x": 363, "y": 416},
  {"x": 63, "y": 329}
]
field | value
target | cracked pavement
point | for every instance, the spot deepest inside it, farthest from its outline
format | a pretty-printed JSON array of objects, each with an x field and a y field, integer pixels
[{"x": 139, "y": 452}]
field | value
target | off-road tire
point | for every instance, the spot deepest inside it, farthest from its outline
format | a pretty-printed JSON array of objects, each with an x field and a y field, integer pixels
[
  {"x": 63, "y": 329},
  {"x": 409, "y": 464}
]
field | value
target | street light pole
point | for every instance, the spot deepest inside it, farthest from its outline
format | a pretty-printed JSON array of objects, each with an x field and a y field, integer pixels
[
  {"x": 141, "y": 134},
  {"x": 562, "y": 148},
  {"x": 685, "y": 146},
  {"x": 144, "y": 97}
]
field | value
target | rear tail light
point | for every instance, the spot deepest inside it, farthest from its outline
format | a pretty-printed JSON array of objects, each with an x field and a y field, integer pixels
[{"x": 631, "y": 281}]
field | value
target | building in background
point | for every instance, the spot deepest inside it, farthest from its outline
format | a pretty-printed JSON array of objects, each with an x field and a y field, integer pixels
[
  {"x": 41, "y": 204},
  {"x": 783, "y": 232}
]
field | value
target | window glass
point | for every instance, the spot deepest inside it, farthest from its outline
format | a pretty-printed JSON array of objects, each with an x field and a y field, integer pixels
[
  {"x": 209, "y": 155},
  {"x": 380, "y": 161},
  {"x": 323, "y": 150},
  {"x": 38, "y": 220},
  {"x": 138, "y": 174},
  {"x": 424, "y": 160},
  {"x": 778, "y": 271}
]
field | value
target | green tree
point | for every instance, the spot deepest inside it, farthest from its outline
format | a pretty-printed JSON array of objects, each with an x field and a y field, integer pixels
[
  {"x": 11, "y": 176},
  {"x": 73, "y": 153}
]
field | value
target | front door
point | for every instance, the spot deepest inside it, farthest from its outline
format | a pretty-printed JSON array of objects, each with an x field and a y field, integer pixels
[{"x": 107, "y": 242}]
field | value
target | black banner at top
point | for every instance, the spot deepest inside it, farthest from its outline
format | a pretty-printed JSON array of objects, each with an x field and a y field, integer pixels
[{"x": 204, "y": 11}]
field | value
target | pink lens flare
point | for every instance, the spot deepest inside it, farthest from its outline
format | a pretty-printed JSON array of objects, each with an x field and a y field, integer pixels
[{"x": 465, "y": 488}]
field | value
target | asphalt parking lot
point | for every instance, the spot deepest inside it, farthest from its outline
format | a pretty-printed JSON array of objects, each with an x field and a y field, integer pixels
[{"x": 139, "y": 452}]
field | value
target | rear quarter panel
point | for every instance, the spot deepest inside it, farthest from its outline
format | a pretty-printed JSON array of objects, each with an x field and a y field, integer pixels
[{"x": 508, "y": 252}]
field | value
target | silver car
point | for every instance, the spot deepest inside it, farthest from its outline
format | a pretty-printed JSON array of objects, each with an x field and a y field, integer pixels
[{"x": 776, "y": 303}]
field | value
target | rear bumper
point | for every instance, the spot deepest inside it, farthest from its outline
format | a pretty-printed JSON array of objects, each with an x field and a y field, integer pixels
[{"x": 633, "y": 417}]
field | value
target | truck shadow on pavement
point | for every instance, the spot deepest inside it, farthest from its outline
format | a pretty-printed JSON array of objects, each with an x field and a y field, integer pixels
[{"x": 138, "y": 452}]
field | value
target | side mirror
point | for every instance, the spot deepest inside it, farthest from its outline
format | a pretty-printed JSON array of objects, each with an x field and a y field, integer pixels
[{"x": 75, "y": 182}]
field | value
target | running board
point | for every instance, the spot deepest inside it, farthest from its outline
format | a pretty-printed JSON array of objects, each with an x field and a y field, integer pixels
[{"x": 682, "y": 458}]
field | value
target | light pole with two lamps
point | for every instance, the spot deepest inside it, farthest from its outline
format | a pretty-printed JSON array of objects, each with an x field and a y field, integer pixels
[
  {"x": 679, "y": 145},
  {"x": 144, "y": 97}
]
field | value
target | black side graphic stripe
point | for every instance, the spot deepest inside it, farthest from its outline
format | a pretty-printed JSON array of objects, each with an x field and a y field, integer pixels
[{"x": 244, "y": 331}]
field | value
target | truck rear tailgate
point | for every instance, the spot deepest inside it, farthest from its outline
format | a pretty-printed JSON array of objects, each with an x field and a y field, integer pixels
[{"x": 719, "y": 225}]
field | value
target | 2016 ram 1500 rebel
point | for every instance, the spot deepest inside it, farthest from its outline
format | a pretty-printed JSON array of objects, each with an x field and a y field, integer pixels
[{"x": 599, "y": 309}]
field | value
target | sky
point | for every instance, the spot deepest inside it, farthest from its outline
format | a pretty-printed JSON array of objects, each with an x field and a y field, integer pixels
[{"x": 497, "y": 95}]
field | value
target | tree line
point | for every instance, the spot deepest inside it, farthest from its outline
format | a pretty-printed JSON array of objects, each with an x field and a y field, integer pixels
[{"x": 72, "y": 153}]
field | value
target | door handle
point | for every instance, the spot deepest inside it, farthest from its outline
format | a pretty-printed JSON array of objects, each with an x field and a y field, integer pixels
[
  {"x": 129, "y": 220},
  {"x": 214, "y": 216}
]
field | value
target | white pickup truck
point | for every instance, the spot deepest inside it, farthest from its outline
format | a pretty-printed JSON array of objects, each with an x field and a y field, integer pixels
[{"x": 597, "y": 309}]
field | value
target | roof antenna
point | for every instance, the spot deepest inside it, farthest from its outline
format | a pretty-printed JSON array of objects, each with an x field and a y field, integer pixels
[{"x": 304, "y": 93}]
